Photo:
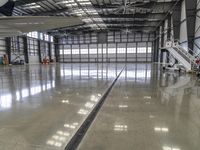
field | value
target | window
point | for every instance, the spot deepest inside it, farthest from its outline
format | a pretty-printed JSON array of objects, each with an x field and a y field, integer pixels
[
  {"x": 111, "y": 50},
  {"x": 67, "y": 51},
  {"x": 61, "y": 52},
  {"x": 75, "y": 51},
  {"x": 94, "y": 38},
  {"x": 32, "y": 46},
  {"x": 138, "y": 37},
  {"x": 100, "y": 51},
  {"x": 44, "y": 49},
  {"x": 33, "y": 34},
  {"x": 17, "y": 45},
  {"x": 84, "y": 51},
  {"x": 121, "y": 50},
  {"x": 131, "y": 50},
  {"x": 104, "y": 49},
  {"x": 69, "y": 40},
  {"x": 111, "y": 37},
  {"x": 87, "y": 38},
  {"x": 149, "y": 49},
  {"x": 51, "y": 38},
  {"x": 93, "y": 51},
  {"x": 81, "y": 39},
  {"x": 130, "y": 37},
  {"x": 2, "y": 45},
  {"x": 124, "y": 38},
  {"x": 75, "y": 39},
  {"x": 41, "y": 36},
  {"x": 46, "y": 37},
  {"x": 141, "y": 50}
]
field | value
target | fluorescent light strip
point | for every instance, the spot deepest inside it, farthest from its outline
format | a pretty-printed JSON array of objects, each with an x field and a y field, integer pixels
[
  {"x": 65, "y": 2},
  {"x": 85, "y": 3}
]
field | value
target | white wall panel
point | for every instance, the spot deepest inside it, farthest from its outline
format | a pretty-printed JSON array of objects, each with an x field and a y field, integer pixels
[
  {"x": 2, "y": 47},
  {"x": 183, "y": 26},
  {"x": 197, "y": 32}
]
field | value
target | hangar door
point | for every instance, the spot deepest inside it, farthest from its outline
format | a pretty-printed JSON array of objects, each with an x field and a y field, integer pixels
[{"x": 109, "y": 52}]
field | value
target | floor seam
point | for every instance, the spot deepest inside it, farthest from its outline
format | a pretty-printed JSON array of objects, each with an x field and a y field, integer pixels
[{"x": 78, "y": 136}]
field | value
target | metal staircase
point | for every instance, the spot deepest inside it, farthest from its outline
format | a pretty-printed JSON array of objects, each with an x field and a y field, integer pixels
[{"x": 184, "y": 57}]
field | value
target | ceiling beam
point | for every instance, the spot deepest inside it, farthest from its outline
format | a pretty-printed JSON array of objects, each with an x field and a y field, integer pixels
[
  {"x": 131, "y": 22},
  {"x": 50, "y": 12},
  {"x": 149, "y": 16},
  {"x": 25, "y": 2}
]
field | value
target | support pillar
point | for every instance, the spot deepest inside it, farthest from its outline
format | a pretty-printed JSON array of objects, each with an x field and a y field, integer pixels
[
  {"x": 8, "y": 48},
  {"x": 197, "y": 30},
  {"x": 169, "y": 28},
  {"x": 183, "y": 26},
  {"x": 39, "y": 51},
  {"x": 25, "y": 43},
  {"x": 49, "y": 50},
  {"x": 56, "y": 44},
  {"x": 176, "y": 19},
  {"x": 191, "y": 19},
  {"x": 156, "y": 47}
]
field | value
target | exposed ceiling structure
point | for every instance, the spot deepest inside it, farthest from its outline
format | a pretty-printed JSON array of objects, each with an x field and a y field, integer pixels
[{"x": 100, "y": 15}]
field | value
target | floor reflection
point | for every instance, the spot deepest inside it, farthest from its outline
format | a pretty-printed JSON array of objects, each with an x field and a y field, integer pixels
[
  {"x": 18, "y": 83},
  {"x": 150, "y": 109},
  {"x": 62, "y": 96}
]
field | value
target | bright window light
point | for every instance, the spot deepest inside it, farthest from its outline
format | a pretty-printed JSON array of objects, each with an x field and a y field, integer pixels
[
  {"x": 67, "y": 51},
  {"x": 141, "y": 50},
  {"x": 149, "y": 50},
  {"x": 83, "y": 112},
  {"x": 33, "y": 34},
  {"x": 65, "y": 2},
  {"x": 121, "y": 50},
  {"x": 111, "y": 50},
  {"x": 84, "y": 51},
  {"x": 93, "y": 51},
  {"x": 85, "y": 3},
  {"x": 6, "y": 101},
  {"x": 120, "y": 127},
  {"x": 75, "y": 51},
  {"x": 131, "y": 50}
]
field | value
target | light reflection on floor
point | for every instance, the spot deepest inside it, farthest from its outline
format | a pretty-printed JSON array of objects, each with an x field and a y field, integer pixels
[
  {"x": 155, "y": 111},
  {"x": 47, "y": 104}
]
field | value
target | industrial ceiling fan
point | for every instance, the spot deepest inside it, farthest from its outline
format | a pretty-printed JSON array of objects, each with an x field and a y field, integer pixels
[{"x": 130, "y": 7}]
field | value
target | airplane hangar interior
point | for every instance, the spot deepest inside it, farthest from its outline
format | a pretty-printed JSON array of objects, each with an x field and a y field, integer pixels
[{"x": 99, "y": 74}]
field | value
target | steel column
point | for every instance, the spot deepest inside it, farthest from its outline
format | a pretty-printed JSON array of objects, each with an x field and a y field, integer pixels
[{"x": 191, "y": 18}]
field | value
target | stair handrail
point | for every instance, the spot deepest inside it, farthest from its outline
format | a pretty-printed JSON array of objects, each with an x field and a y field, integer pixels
[
  {"x": 189, "y": 49},
  {"x": 193, "y": 52},
  {"x": 190, "y": 56},
  {"x": 184, "y": 51}
]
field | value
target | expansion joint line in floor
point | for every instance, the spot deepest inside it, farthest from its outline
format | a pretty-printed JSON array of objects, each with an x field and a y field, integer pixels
[{"x": 78, "y": 136}]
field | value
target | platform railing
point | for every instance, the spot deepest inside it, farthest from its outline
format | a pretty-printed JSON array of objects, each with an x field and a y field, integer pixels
[{"x": 189, "y": 55}]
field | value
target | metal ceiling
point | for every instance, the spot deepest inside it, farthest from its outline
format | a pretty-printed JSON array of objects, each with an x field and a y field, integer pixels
[{"x": 100, "y": 15}]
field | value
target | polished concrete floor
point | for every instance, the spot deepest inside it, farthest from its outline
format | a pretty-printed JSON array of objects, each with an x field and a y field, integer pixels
[
  {"x": 148, "y": 110},
  {"x": 42, "y": 107}
]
